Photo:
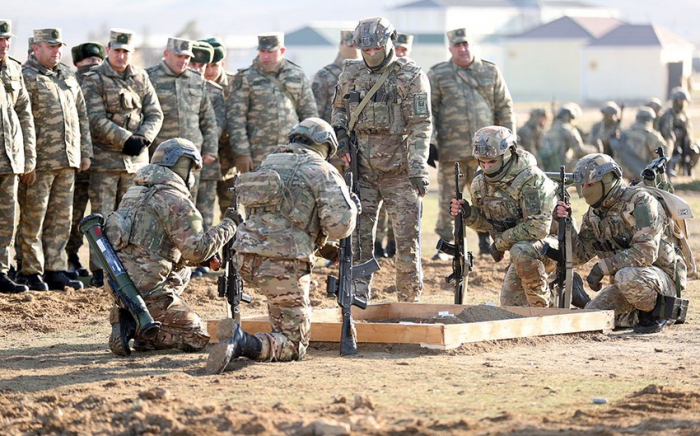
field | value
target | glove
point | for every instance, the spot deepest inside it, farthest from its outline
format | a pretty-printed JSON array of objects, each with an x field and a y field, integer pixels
[
  {"x": 343, "y": 141},
  {"x": 594, "y": 278},
  {"x": 433, "y": 155},
  {"x": 330, "y": 251},
  {"x": 233, "y": 215},
  {"x": 466, "y": 208},
  {"x": 355, "y": 199},
  {"x": 134, "y": 145},
  {"x": 496, "y": 253},
  {"x": 420, "y": 184},
  {"x": 244, "y": 164}
]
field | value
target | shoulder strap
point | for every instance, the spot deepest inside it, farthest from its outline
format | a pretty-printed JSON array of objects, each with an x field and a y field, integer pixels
[
  {"x": 373, "y": 90},
  {"x": 275, "y": 81},
  {"x": 473, "y": 83}
]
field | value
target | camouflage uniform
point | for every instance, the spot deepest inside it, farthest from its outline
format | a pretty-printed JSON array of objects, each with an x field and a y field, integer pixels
[
  {"x": 63, "y": 139},
  {"x": 226, "y": 160},
  {"x": 563, "y": 144},
  {"x": 17, "y": 144},
  {"x": 119, "y": 106},
  {"x": 676, "y": 127},
  {"x": 638, "y": 144},
  {"x": 516, "y": 209},
  {"x": 463, "y": 100},
  {"x": 155, "y": 231},
  {"x": 608, "y": 128},
  {"x": 531, "y": 134},
  {"x": 393, "y": 133}
]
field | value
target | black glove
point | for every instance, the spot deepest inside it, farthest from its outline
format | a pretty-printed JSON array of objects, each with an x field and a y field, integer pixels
[
  {"x": 343, "y": 141},
  {"x": 595, "y": 277},
  {"x": 466, "y": 208},
  {"x": 496, "y": 253},
  {"x": 420, "y": 184},
  {"x": 433, "y": 155},
  {"x": 233, "y": 214},
  {"x": 134, "y": 145},
  {"x": 355, "y": 199}
]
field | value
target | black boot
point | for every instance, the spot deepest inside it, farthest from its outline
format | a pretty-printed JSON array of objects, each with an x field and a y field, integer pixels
[
  {"x": 98, "y": 279},
  {"x": 648, "y": 323},
  {"x": 239, "y": 344},
  {"x": 7, "y": 286},
  {"x": 378, "y": 250},
  {"x": 122, "y": 333},
  {"x": 57, "y": 280},
  {"x": 12, "y": 273},
  {"x": 390, "y": 248},
  {"x": 74, "y": 265},
  {"x": 33, "y": 282},
  {"x": 484, "y": 244}
]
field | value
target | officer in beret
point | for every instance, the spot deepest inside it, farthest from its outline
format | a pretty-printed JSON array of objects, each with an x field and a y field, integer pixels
[{"x": 403, "y": 44}]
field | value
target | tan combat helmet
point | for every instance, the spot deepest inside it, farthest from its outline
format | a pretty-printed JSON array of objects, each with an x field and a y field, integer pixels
[
  {"x": 645, "y": 114},
  {"x": 375, "y": 32},
  {"x": 315, "y": 132},
  {"x": 494, "y": 142},
  {"x": 168, "y": 152},
  {"x": 678, "y": 93},
  {"x": 610, "y": 108},
  {"x": 592, "y": 168}
]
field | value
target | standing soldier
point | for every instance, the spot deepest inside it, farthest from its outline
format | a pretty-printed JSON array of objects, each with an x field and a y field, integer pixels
[
  {"x": 85, "y": 56},
  {"x": 325, "y": 80},
  {"x": 17, "y": 149},
  {"x": 467, "y": 93},
  {"x": 677, "y": 129},
  {"x": 304, "y": 202},
  {"x": 187, "y": 110},
  {"x": 608, "y": 128},
  {"x": 403, "y": 44},
  {"x": 562, "y": 143},
  {"x": 125, "y": 117},
  {"x": 638, "y": 144},
  {"x": 513, "y": 200},
  {"x": 63, "y": 146},
  {"x": 656, "y": 105},
  {"x": 392, "y": 130},
  {"x": 531, "y": 134},
  {"x": 267, "y": 100}
]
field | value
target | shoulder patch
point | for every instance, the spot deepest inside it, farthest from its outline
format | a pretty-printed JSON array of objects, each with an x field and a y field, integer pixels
[{"x": 420, "y": 104}]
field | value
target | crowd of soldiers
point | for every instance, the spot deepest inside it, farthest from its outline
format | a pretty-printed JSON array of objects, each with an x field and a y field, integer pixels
[{"x": 152, "y": 149}]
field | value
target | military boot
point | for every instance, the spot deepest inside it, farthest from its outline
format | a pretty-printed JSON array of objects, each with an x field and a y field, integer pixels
[
  {"x": 12, "y": 273},
  {"x": 390, "y": 250},
  {"x": 649, "y": 323},
  {"x": 74, "y": 265},
  {"x": 237, "y": 344},
  {"x": 122, "y": 333},
  {"x": 57, "y": 280},
  {"x": 98, "y": 279},
  {"x": 33, "y": 282},
  {"x": 484, "y": 244},
  {"x": 7, "y": 286}
]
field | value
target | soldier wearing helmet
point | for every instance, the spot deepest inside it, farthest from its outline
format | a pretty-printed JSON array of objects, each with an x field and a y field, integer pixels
[
  {"x": 295, "y": 200},
  {"x": 392, "y": 129},
  {"x": 531, "y": 134},
  {"x": 563, "y": 144},
  {"x": 677, "y": 130},
  {"x": 637, "y": 145},
  {"x": 156, "y": 232},
  {"x": 512, "y": 200},
  {"x": 607, "y": 130},
  {"x": 656, "y": 105},
  {"x": 627, "y": 229}
]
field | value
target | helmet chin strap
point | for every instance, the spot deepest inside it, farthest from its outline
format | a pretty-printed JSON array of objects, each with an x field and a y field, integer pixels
[
  {"x": 497, "y": 175},
  {"x": 605, "y": 194}
]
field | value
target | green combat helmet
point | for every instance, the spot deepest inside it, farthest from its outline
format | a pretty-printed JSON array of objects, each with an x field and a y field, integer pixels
[
  {"x": 374, "y": 33},
  {"x": 170, "y": 154},
  {"x": 645, "y": 114},
  {"x": 494, "y": 142},
  {"x": 317, "y": 134},
  {"x": 600, "y": 171}
]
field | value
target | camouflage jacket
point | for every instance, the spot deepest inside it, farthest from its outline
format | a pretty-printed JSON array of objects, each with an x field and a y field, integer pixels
[
  {"x": 393, "y": 130},
  {"x": 226, "y": 161},
  {"x": 294, "y": 201},
  {"x": 464, "y": 100},
  {"x": 323, "y": 87},
  {"x": 17, "y": 134},
  {"x": 157, "y": 228},
  {"x": 118, "y": 106},
  {"x": 60, "y": 117},
  {"x": 643, "y": 140},
  {"x": 531, "y": 137},
  {"x": 673, "y": 125},
  {"x": 629, "y": 229},
  {"x": 215, "y": 93},
  {"x": 602, "y": 133},
  {"x": 563, "y": 146},
  {"x": 260, "y": 114},
  {"x": 187, "y": 111},
  {"x": 80, "y": 73},
  {"x": 516, "y": 208}
]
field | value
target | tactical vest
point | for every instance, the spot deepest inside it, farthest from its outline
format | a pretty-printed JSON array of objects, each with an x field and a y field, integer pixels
[{"x": 500, "y": 203}]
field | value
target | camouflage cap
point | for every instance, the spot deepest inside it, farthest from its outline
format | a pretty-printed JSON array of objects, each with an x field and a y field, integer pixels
[
  {"x": 168, "y": 152},
  {"x": 121, "y": 39},
  {"x": 6, "y": 28},
  {"x": 30, "y": 45},
  {"x": 610, "y": 108},
  {"x": 655, "y": 104},
  {"x": 203, "y": 52},
  {"x": 180, "y": 46},
  {"x": 86, "y": 50},
  {"x": 404, "y": 40},
  {"x": 679, "y": 93},
  {"x": 492, "y": 141},
  {"x": 219, "y": 48},
  {"x": 51, "y": 36},
  {"x": 592, "y": 167},
  {"x": 346, "y": 38},
  {"x": 373, "y": 33},
  {"x": 457, "y": 36},
  {"x": 645, "y": 114},
  {"x": 270, "y": 41}
]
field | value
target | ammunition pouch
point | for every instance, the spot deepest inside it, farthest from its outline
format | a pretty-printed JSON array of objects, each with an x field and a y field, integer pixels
[{"x": 502, "y": 226}]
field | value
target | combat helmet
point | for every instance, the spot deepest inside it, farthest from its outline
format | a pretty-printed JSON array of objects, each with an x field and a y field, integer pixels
[
  {"x": 571, "y": 111},
  {"x": 655, "y": 104},
  {"x": 317, "y": 134},
  {"x": 600, "y": 171},
  {"x": 680, "y": 93},
  {"x": 645, "y": 114},
  {"x": 168, "y": 152},
  {"x": 610, "y": 108},
  {"x": 374, "y": 33},
  {"x": 494, "y": 142}
]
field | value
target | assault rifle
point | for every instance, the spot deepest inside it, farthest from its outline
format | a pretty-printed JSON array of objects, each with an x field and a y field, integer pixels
[
  {"x": 462, "y": 260},
  {"x": 230, "y": 284}
]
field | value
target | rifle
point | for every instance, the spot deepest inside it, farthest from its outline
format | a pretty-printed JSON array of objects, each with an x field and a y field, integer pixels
[
  {"x": 230, "y": 284},
  {"x": 343, "y": 288},
  {"x": 462, "y": 260},
  {"x": 655, "y": 173}
]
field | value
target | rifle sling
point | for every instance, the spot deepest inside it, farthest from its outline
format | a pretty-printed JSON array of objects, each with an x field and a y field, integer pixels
[{"x": 373, "y": 90}]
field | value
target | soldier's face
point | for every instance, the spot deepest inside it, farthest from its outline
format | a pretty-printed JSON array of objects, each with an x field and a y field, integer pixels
[
  {"x": 92, "y": 60},
  {"x": 487, "y": 164},
  {"x": 214, "y": 70},
  {"x": 270, "y": 58},
  {"x": 198, "y": 67},
  {"x": 461, "y": 54},
  {"x": 401, "y": 52},
  {"x": 48, "y": 55},
  {"x": 119, "y": 58},
  {"x": 176, "y": 62},
  {"x": 4, "y": 47}
]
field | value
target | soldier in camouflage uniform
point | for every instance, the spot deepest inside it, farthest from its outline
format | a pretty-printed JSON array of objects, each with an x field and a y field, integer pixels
[
  {"x": 294, "y": 200},
  {"x": 183, "y": 96},
  {"x": 531, "y": 134},
  {"x": 656, "y": 105},
  {"x": 467, "y": 93},
  {"x": 125, "y": 117},
  {"x": 628, "y": 230},
  {"x": 63, "y": 146},
  {"x": 677, "y": 129},
  {"x": 17, "y": 149},
  {"x": 325, "y": 79},
  {"x": 393, "y": 132},
  {"x": 85, "y": 56},
  {"x": 562, "y": 143},
  {"x": 608, "y": 128},
  {"x": 267, "y": 100},
  {"x": 512, "y": 200},
  {"x": 156, "y": 231},
  {"x": 403, "y": 45},
  {"x": 638, "y": 144}
]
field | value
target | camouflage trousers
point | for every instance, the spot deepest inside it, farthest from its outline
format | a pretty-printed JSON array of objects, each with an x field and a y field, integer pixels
[
  {"x": 8, "y": 214},
  {"x": 633, "y": 288},
  {"x": 46, "y": 208},
  {"x": 525, "y": 283},
  {"x": 206, "y": 197},
  {"x": 80, "y": 200},
  {"x": 404, "y": 208},
  {"x": 285, "y": 283},
  {"x": 106, "y": 191},
  {"x": 385, "y": 230},
  {"x": 224, "y": 194},
  {"x": 446, "y": 192}
]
